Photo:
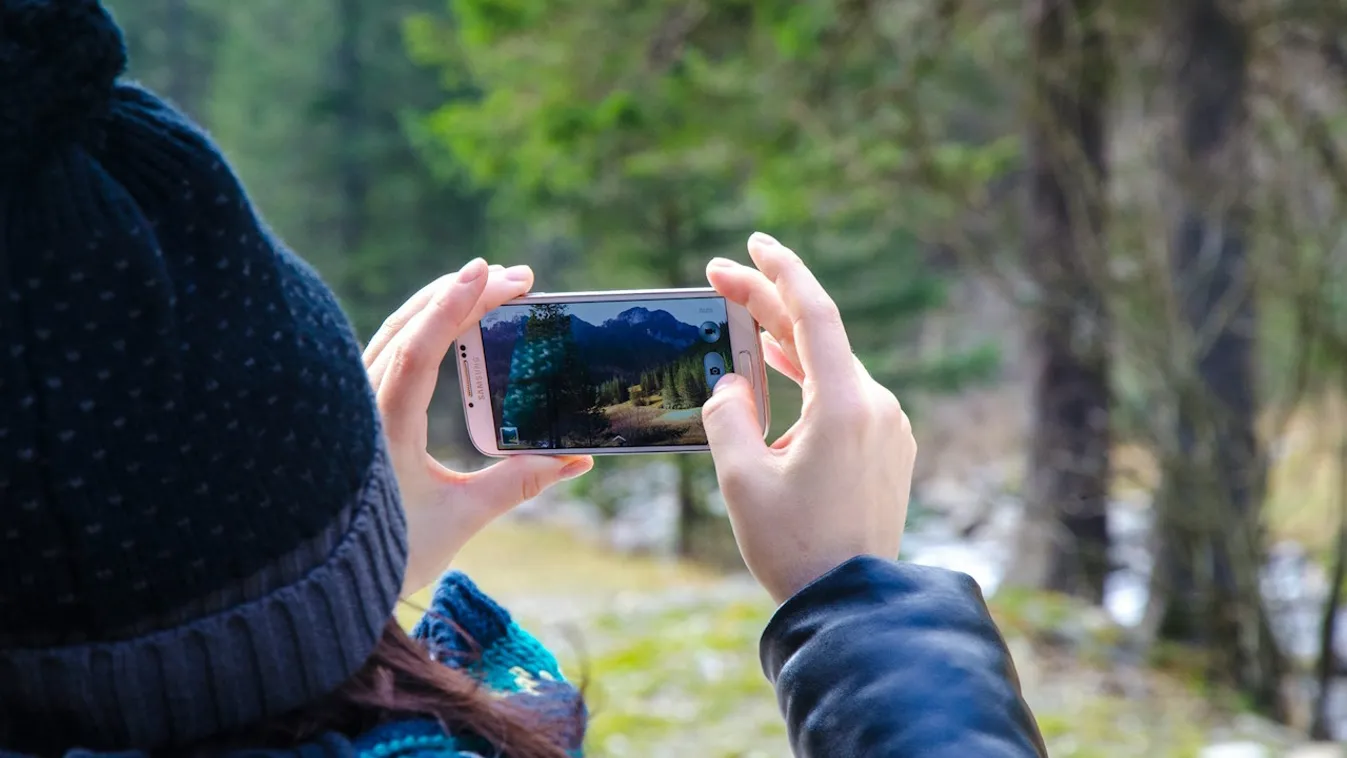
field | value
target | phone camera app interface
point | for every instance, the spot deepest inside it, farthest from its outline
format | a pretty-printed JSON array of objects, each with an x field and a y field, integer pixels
[{"x": 604, "y": 374}]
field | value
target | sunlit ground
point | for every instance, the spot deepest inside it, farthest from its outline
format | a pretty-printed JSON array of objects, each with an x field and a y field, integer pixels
[
  {"x": 678, "y": 675},
  {"x": 675, "y": 677},
  {"x": 1305, "y": 484}
]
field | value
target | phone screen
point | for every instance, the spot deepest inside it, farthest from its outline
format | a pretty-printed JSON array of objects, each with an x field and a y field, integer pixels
[{"x": 625, "y": 373}]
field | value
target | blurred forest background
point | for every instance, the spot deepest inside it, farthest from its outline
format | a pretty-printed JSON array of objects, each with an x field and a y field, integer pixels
[{"x": 1097, "y": 248}]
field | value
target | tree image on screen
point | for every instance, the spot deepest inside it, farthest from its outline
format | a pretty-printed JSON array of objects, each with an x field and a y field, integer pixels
[
  {"x": 635, "y": 378},
  {"x": 550, "y": 395}
]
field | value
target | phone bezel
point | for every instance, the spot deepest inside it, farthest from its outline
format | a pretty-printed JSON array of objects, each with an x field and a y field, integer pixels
[{"x": 476, "y": 396}]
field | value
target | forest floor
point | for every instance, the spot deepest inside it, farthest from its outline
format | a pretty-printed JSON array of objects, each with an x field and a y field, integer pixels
[
  {"x": 668, "y": 657},
  {"x": 650, "y": 423}
]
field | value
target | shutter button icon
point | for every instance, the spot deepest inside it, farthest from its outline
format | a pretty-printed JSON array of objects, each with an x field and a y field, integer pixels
[{"x": 714, "y": 366}]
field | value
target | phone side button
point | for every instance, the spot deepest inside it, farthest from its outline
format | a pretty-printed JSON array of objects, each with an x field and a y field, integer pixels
[{"x": 743, "y": 365}]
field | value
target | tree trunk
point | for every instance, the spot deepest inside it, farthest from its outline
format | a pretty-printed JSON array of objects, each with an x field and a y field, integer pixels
[
  {"x": 1320, "y": 726},
  {"x": 1211, "y": 543},
  {"x": 1065, "y": 540},
  {"x": 351, "y": 186},
  {"x": 691, "y": 510}
]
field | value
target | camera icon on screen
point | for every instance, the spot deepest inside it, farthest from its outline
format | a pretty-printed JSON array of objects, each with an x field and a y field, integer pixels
[{"x": 714, "y": 366}]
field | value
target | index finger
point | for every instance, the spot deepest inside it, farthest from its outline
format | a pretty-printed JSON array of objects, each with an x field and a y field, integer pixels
[
  {"x": 417, "y": 351},
  {"x": 404, "y": 314},
  {"x": 395, "y": 323},
  {"x": 820, "y": 338},
  {"x": 378, "y": 355}
]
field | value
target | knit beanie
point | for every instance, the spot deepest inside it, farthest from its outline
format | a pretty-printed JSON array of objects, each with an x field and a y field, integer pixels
[{"x": 199, "y": 524}]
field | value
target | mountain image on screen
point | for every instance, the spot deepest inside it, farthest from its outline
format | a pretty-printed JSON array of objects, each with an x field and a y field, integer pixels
[{"x": 638, "y": 378}]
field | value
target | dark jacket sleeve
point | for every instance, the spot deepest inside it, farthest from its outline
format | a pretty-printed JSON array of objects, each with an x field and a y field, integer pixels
[{"x": 893, "y": 660}]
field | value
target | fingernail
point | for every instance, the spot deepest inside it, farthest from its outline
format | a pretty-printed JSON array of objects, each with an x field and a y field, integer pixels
[
  {"x": 518, "y": 273},
  {"x": 719, "y": 262},
  {"x": 575, "y": 469},
  {"x": 763, "y": 239},
  {"x": 727, "y": 380},
  {"x": 471, "y": 270}
]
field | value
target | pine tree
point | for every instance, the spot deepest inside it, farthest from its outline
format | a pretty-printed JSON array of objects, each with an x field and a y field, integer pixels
[
  {"x": 537, "y": 396},
  {"x": 687, "y": 392},
  {"x": 668, "y": 392},
  {"x": 1064, "y": 540}
]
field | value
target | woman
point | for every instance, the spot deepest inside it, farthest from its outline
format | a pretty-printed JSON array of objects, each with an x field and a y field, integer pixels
[{"x": 207, "y": 516}]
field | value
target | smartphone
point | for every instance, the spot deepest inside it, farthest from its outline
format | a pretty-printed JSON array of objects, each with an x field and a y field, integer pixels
[{"x": 604, "y": 373}]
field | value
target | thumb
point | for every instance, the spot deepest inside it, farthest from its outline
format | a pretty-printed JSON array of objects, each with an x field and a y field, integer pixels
[
  {"x": 730, "y": 418},
  {"x": 502, "y": 486}
]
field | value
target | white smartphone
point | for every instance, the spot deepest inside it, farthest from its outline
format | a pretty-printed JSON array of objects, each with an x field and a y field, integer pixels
[{"x": 604, "y": 373}]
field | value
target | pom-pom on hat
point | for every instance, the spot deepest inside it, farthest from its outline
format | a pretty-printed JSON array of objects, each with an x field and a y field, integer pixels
[
  {"x": 58, "y": 62},
  {"x": 199, "y": 525}
]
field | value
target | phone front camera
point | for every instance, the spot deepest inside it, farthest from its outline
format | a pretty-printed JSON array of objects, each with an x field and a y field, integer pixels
[{"x": 470, "y": 405}]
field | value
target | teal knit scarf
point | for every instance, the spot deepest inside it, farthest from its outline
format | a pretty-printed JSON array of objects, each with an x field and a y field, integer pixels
[{"x": 465, "y": 629}]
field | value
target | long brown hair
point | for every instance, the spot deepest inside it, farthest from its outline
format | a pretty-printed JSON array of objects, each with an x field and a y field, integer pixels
[{"x": 399, "y": 681}]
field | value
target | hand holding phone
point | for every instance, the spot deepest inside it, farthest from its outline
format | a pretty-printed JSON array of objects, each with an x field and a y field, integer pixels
[
  {"x": 836, "y": 484},
  {"x": 445, "y": 508}
]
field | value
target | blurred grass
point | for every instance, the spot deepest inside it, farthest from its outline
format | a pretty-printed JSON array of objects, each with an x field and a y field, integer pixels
[
  {"x": 659, "y": 682},
  {"x": 512, "y": 559},
  {"x": 682, "y": 682},
  {"x": 674, "y": 679}
]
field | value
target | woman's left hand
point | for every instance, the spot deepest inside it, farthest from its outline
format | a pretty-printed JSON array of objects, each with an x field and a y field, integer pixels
[{"x": 445, "y": 508}]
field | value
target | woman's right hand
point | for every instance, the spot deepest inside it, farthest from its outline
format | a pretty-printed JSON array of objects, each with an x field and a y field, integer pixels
[{"x": 836, "y": 484}]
